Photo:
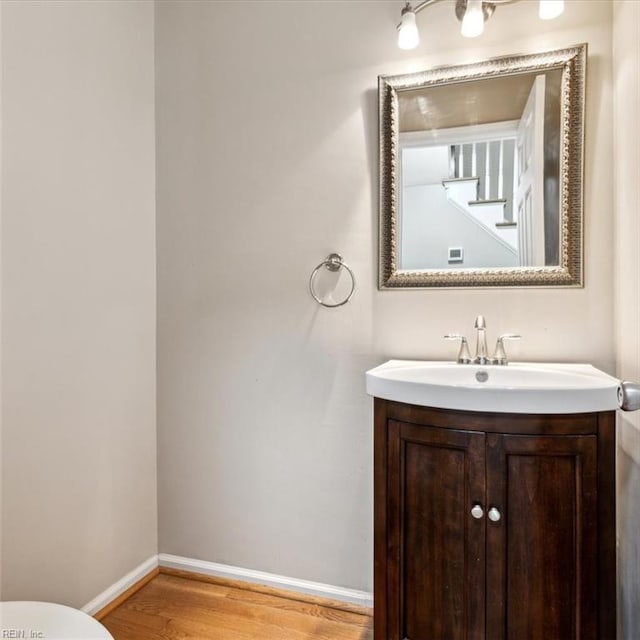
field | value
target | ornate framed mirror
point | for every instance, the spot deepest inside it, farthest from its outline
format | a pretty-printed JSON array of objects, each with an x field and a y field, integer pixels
[{"x": 481, "y": 173}]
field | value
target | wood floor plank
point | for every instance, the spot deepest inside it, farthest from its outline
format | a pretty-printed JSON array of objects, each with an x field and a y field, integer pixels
[
  {"x": 259, "y": 588},
  {"x": 175, "y": 608}
]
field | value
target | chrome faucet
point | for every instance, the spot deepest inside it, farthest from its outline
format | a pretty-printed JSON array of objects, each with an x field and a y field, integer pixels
[
  {"x": 481, "y": 342},
  {"x": 499, "y": 357}
]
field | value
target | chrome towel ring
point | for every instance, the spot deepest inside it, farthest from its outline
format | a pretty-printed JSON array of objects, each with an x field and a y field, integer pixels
[{"x": 333, "y": 262}]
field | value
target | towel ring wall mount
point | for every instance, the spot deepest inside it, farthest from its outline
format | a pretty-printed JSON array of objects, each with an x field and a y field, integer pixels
[{"x": 333, "y": 262}]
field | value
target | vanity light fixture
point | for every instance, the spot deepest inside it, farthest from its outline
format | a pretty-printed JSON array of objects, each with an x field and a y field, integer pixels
[
  {"x": 550, "y": 9},
  {"x": 471, "y": 13},
  {"x": 473, "y": 20}
]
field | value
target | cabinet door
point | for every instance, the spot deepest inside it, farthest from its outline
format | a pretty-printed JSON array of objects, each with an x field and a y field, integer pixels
[
  {"x": 436, "y": 547},
  {"x": 541, "y": 553}
]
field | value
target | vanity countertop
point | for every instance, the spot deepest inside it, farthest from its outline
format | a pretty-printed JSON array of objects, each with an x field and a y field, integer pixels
[{"x": 520, "y": 387}]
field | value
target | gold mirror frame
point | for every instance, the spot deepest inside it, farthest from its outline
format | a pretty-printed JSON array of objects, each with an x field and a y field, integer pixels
[{"x": 569, "y": 272}]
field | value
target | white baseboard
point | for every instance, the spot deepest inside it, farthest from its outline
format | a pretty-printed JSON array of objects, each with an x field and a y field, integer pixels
[
  {"x": 118, "y": 588},
  {"x": 363, "y": 598}
]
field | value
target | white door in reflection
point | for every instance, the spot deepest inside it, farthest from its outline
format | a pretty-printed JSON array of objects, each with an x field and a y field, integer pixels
[{"x": 529, "y": 190}]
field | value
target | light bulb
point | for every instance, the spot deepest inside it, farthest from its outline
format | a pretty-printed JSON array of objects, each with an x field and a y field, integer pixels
[
  {"x": 473, "y": 21},
  {"x": 550, "y": 9},
  {"x": 408, "y": 36}
]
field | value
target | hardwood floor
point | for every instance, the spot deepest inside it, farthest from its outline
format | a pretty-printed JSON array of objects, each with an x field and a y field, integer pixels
[{"x": 171, "y": 607}]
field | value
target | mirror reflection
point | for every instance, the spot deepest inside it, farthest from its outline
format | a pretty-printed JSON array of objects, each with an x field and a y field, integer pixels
[
  {"x": 479, "y": 162},
  {"x": 480, "y": 184}
]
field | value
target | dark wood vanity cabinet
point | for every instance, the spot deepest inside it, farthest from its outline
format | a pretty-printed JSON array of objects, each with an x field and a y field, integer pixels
[{"x": 493, "y": 526}]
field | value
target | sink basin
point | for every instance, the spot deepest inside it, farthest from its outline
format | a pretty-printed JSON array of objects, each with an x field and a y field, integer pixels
[{"x": 522, "y": 387}]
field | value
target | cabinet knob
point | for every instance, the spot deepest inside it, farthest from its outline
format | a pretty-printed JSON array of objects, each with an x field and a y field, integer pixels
[
  {"x": 494, "y": 515},
  {"x": 477, "y": 512}
]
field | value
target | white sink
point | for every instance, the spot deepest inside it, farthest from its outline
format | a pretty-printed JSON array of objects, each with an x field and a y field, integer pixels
[{"x": 521, "y": 387}]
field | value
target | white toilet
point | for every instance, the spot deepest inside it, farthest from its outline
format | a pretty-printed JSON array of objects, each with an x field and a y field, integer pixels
[{"x": 33, "y": 620}]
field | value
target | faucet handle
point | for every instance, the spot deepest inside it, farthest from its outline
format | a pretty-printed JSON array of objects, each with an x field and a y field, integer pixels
[
  {"x": 464, "y": 356},
  {"x": 500, "y": 355}
]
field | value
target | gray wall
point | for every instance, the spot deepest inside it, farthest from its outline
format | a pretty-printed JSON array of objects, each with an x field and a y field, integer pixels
[
  {"x": 267, "y": 161},
  {"x": 626, "y": 65},
  {"x": 78, "y": 288}
]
